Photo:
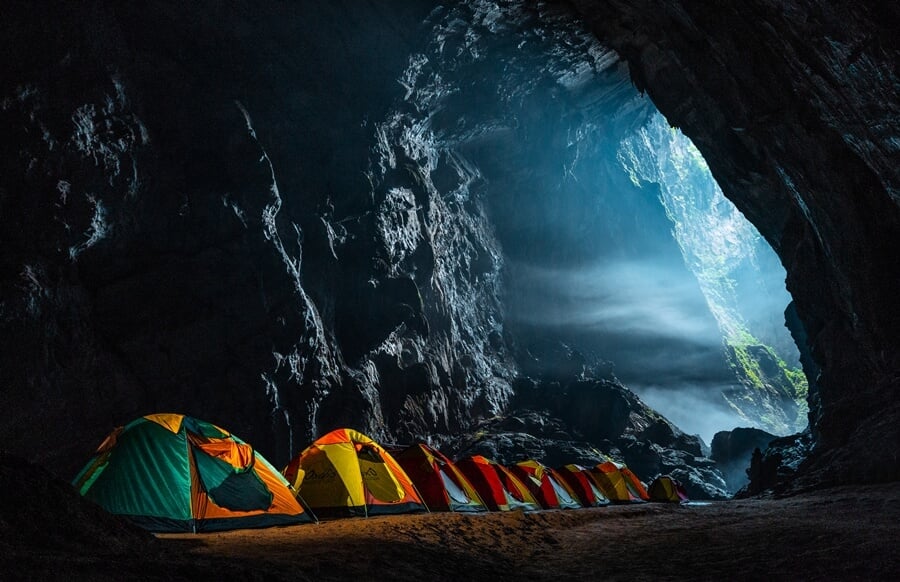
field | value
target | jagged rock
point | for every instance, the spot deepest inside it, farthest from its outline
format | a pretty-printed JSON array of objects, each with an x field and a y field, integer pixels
[
  {"x": 603, "y": 410},
  {"x": 732, "y": 450},
  {"x": 775, "y": 468},
  {"x": 199, "y": 252},
  {"x": 511, "y": 447},
  {"x": 587, "y": 422}
]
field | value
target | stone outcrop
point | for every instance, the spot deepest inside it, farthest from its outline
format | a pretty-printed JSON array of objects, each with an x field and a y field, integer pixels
[
  {"x": 732, "y": 451},
  {"x": 42, "y": 512},
  {"x": 783, "y": 467}
]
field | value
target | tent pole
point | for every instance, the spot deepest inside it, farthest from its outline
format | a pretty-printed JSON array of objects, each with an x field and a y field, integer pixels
[{"x": 422, "y": 499}]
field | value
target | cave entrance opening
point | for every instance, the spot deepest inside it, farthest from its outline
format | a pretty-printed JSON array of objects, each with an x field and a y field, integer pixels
[
  {"x": 624, "y": 258},
  {"x": 619, "y": 255}
]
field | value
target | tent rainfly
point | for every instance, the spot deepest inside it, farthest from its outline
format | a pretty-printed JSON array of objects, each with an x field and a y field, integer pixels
[
  {"x": 546, "y": 485},
  {"x": 346, "y": 473},
  {"x": 579, "y": 481},
  {"x": 496, "y": 485},
  {"x": 173, "y": 473},
  {"x": 618, "y": 483},
  {"x": 442, "y": 485}
]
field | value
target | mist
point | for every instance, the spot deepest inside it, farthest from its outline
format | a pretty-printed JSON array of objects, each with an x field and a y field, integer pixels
[
  {"x": 738, "y": 272},
  {"x": 646, "y": 298},
  {"x": 646, "y": 316},
  {"x": 690, "y": 407}
]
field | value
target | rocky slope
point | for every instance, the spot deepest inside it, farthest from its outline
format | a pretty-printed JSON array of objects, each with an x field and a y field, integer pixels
[{"x": 589, "y": 422}]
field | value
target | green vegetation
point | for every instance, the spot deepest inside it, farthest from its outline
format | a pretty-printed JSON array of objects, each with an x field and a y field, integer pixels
[
  {"x": 801, "y": 388},
  {"x": 759, "y": 367},
  {"x": 745, "y": 366},
  {"x": 728, "y": 257}
]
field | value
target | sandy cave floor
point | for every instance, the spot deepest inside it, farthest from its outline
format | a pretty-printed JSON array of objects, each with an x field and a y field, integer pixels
[{"x": 840, "y": 534}]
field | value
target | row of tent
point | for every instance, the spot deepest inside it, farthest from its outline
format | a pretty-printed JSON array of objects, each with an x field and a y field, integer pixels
[{"x": 170, "y": 472}]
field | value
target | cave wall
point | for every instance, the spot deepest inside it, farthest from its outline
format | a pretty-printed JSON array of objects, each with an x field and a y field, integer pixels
[
  {"x": 249, "y": 215},
  {"x": 188, "y": 226},
  {"x": 794, "y": 106},
  {"x": 213, "y": 211}
]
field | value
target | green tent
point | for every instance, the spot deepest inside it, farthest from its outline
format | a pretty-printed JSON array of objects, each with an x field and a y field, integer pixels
[{"x": 169, "y": 472}]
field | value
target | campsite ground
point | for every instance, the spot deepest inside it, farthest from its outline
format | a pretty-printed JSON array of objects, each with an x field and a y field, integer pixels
[{"x": 839, "y": 534}]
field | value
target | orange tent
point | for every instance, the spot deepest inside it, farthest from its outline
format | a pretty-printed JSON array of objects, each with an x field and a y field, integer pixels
[
  {"x": 496, "y": 485},
  {"x": 442, "y": 485},
  {"x": 635, "y": 485},
  {"x": 347, "y": 473},
  {"x": 618, "y": 483},
  {"x": 579, "y": 482},
  {"x": 545, "y": 484},
  {"x": 170, "y": 472}
]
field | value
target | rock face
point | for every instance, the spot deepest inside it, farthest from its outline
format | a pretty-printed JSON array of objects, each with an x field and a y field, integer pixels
[
  {"x": 214, "y": 211},
  {"x": 732, "y": 451},
  {"x": 220, "y": 236},
  {"x": 172, "y": 232},
  {"x": 782, "y": 467},
  {"x": 770, "y": 391},
  {"x": 794, "y": 106},
  {"x": 40, "y": 511}
]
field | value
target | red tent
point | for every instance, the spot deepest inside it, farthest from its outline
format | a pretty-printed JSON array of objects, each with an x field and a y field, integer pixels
[
  {"x": 546, "y": 485},
  {"x": 576, "y": 477},
  {"x": 498, "y": 488},
  {"x": 440, "y": 483}
]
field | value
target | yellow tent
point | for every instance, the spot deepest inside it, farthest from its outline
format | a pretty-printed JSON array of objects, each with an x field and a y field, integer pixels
[
  {"x": 347, "y": 473},
  {"x": 667, "y": 489},
  {"x": 618, "y": 483}
]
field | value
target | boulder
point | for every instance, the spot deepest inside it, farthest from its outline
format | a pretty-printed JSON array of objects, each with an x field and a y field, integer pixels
[{"x": 731, "y": 450}]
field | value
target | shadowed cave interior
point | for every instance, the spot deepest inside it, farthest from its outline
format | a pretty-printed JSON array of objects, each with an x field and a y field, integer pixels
[{"x": 466, "y": 223}]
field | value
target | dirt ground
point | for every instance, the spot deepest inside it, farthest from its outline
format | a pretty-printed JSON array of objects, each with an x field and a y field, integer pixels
[{"x": 838, "y": 534}]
